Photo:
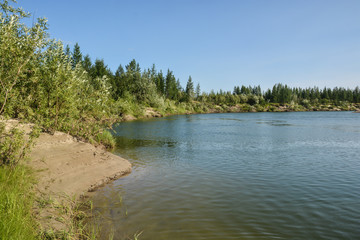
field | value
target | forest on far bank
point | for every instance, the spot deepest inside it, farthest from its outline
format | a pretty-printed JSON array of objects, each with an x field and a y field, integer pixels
[{"x": 59, "y": 88}]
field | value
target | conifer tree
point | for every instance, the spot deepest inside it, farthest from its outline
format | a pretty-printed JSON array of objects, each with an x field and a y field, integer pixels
[
  {"x": 170, "y": 86},
  {"x": 68, "y": 52},
  {"x": 99, "y": 70},
  {"x": 86, "y": 63},
  {"x": 119, "y": 84},
  {"x": 153, "y": 73},
  {"x": 197, "y": 91},
  {"x": 160, "y": 83},
  {"x": 189, "y": 89},
  {"x": 76, "y": 55}
]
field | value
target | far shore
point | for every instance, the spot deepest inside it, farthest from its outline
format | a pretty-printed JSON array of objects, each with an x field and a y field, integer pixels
[{"x": 245, "y": 108}]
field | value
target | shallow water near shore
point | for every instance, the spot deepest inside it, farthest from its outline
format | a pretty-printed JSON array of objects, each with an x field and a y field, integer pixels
[{"x": 237, "y": 176}]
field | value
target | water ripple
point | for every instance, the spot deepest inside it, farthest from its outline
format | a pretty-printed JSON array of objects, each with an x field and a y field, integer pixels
[{"x": 237, "y": 176}]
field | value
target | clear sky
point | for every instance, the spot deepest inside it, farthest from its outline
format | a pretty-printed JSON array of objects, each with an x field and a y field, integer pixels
[{"x": 220, "y": 43}]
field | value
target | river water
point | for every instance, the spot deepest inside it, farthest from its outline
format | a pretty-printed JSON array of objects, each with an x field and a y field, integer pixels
[{"x": 236, "y": 176}]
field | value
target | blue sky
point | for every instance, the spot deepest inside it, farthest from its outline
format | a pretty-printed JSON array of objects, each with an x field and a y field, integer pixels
[{"x": 222, "y": 43}]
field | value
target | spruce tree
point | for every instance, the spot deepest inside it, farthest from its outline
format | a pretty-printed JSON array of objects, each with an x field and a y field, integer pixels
[
  {"x": 160, "y": 83},
  {"x": 189, "y": 89},
  {"x": 197, "y": 91},
  {"x": 170, "y": 86},
  {"x": 86, "y": 63},
  {"x": 76, "y": 56},
  {"x": 67, "y": 51},
  {"x": 119, "y": 84}
]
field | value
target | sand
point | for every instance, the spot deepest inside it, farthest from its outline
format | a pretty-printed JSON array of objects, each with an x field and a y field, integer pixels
[
  {"x": 67, "y": 169},
  {"x": 66, "y": 165}
]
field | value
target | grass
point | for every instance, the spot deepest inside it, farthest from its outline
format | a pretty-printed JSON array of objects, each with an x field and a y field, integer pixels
[
  {"x": 16, "y": 202},
  {"x": 17, "y": 218},
  {"x": 73, "y": 215},
  {"x": 107, "y": 139},
  {"x": 25, "y": 213}
]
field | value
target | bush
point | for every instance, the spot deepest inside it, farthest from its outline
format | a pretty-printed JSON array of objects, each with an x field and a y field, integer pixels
[
  {"x": 107, "y": 139},
  {"x": 14, "y": 147},
  {"x": 253, "y": 100},
  {"x": 306, "y": 103}
]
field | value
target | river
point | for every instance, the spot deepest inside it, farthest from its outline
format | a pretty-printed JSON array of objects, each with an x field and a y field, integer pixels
[{"x": 236, "y": 176}]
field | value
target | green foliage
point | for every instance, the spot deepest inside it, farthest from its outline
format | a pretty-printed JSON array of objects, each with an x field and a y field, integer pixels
[
  {"x": 284, "y": 94},
  {"x": 86, "y": 63},
  {"x": 107, "y": 139},
  {"x": 171, "y": 87},
  {"x": 197, "y": 91},
  {"x": 42, "y": 82},
  {"x": 128, "y": 105},
  {"x": 253, "y": 100},
  {"x": 76, "y": 56},
  {"x": 19, "y": 45},
  {"x": 99, "y": 70},
  {"x": 57, "y": 91},
  {"x": 14, "y": 147},
  {"x": 189, "y": 90},
  {"x": 16, "y": 202},
  {"x": 160, "y": 83}
]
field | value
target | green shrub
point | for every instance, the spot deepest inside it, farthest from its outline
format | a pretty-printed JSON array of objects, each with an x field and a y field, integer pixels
[
  {"x": 107, "y": 139},
  {"x": 14, "y": 147}
]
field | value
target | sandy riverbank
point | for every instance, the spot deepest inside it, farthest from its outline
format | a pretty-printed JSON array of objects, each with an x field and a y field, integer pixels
[
  {"x": 66, "y": 165},
  {"x": 67, "y": 169}
]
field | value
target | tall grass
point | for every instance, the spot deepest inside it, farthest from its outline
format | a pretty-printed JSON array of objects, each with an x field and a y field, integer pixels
[
  {"x": 107, "y": 139},
  {"x": 16, "y": 202}
]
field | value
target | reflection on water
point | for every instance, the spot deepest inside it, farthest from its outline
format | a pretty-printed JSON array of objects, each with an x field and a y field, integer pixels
[
  {"x": 128, "y": 143},
  {"x": 232, "y": 119},
  {"x": 237, "y": 176},
  {"x": 279, "y": 123}
]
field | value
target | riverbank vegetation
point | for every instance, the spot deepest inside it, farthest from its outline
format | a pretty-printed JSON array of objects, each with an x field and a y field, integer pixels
[
  {"x": 16, "y": 184},
  {"x": 59, "y": 89},
  {"x": 16, "y": 202}
]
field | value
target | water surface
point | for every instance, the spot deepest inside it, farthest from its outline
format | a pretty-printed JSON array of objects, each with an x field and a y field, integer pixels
[{"x": 237, "y": 176}]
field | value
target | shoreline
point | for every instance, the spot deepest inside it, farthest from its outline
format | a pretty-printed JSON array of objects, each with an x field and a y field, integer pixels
[
  {"x": 243, "y": 108},
  {"x": 67, "y": 171},
  {"x": 67, "y": 165}
]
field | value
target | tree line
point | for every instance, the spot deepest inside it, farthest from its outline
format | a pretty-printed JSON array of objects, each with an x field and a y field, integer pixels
[
  {"x": 150, "y": 83},
  {"x": 144, "y": 85},
  {"x": 283, "y": 94}
]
